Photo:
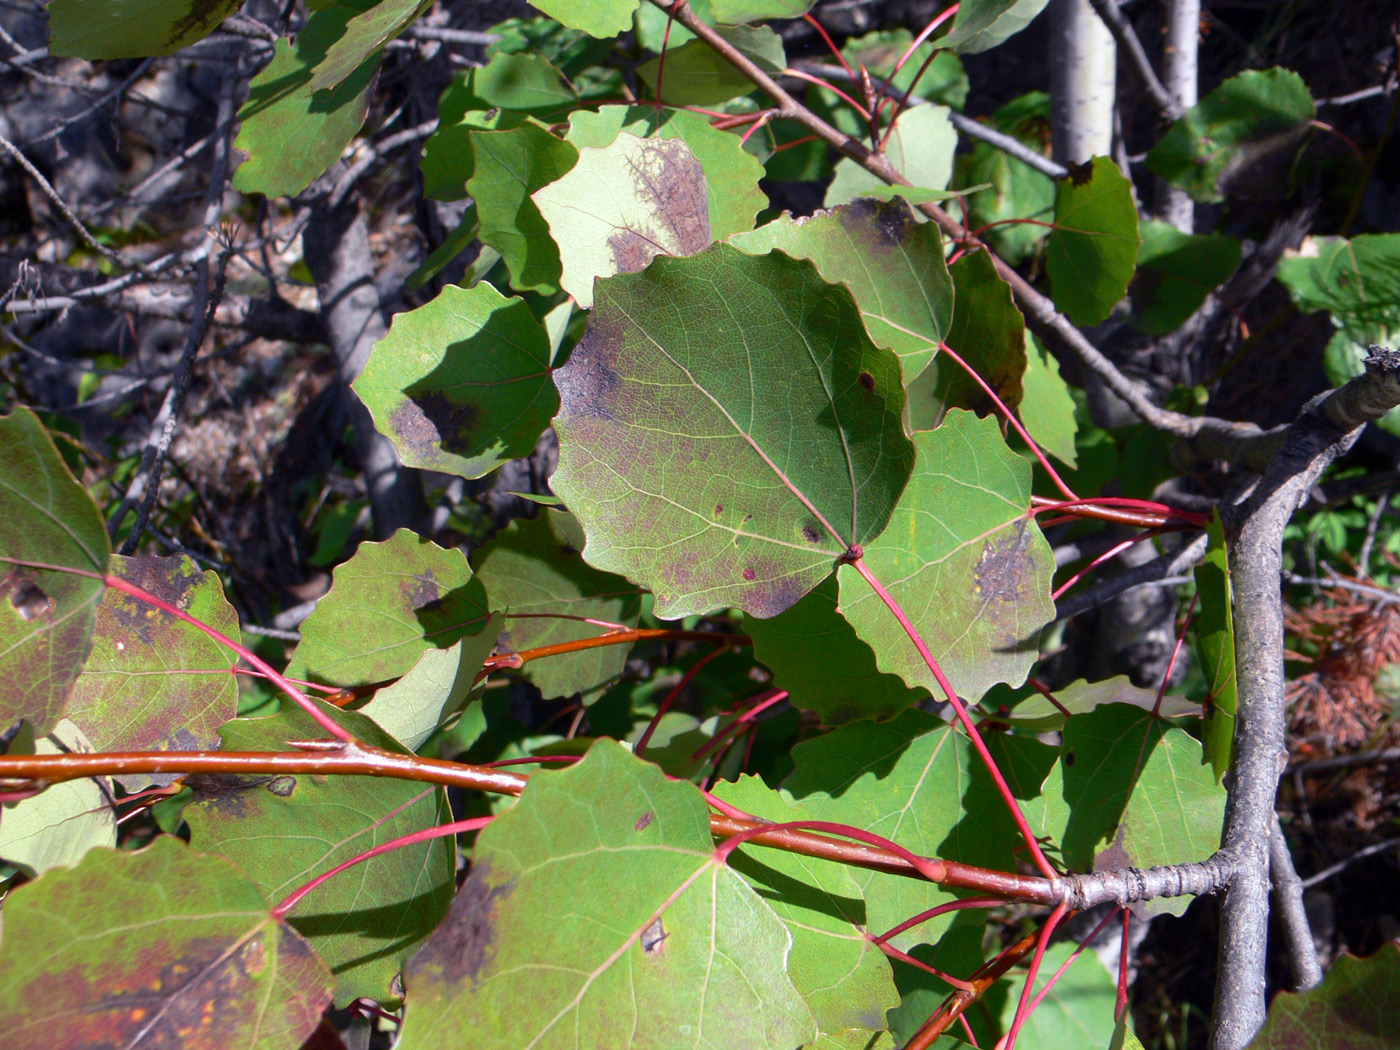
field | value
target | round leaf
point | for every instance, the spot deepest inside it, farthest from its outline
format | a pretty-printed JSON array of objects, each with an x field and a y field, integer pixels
[
  {"x": 658, "y": 947},
  {"x": 726, "y": 462},
  {"x": 731, "y": 173},
  {"x": 962, "y": 559},
  {"x": 1092, "y": 250},
  {"x": 622, "y": 205},
  {"x": 1256, "y": 112},
  {"x": 461, "y": 384},
  {"x": 285, "y": 830},
  {"x": 387, "y": 605}
]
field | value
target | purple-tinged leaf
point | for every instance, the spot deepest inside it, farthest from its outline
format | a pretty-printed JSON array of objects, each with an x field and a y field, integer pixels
[
  {"x": 1354, "y": 1008},
  {"x": 658, "y": 945},
  {"x": 46, "y": 616},
  {"x": 160, "y": 948},
  {"x": 154, "y": 682},
  {"x": 718, "y": 461}
]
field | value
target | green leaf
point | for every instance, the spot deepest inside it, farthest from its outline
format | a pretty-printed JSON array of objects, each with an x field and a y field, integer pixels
[
  {"x": 659, "y": 946},
  {"x": 736, "y": 12},
  {"x": 621, "y": 206},
  {"x": 525, "y": 83},
  {"x": 449, "y": 161},
  {"x": 1036, "y": 714},
  {"x": 365, "y": 34},
  {"x": 1358, "y": 280},
  {"x": 153, "y": 682},
  {"x": 731, "y": 173},
  {"x": 1047, "y": 410},
  {"x": 390, "y": 603},
  {"x": 1352, "y": 1009},
  {"x": 1215, "y": 648},
  {"x": 1130, "y": 791},
  {"x": 433, "y": 690},
  {"x": 816, "y": 655},
  {"x": 58, "y": 826},
  {"x": 1123, "y": 1037},
  {"x": 695, "y": 74},
  {"x": 845, "y": 979},
  {"x": 892, "y": 263},
  {"x": 988, "y": 334},
  {"x": 533, "y": 569},
  {"x": 1092, "y": 250},
  {"x": 963, "y": 560},
  {"x": 600, "y": 18},
  {"x": 292, "y": 132},
  {"x": 920, "y": 148},
  {"x": 1018, "y": 191},
  {"x": 285, "y": 830},
  {"x": 162, "y": 947},
  {"x": 916, "y": 781},
  {"x": 462, "y": 383},
  {"x": 981, "y": 25},
  {"x": 1176, "y": 271},
  {"x": 1251, "y": 114},
  {"x": 511, "y": 165},
  {"x": 732, "y": 469},
  {"x": 46, "y": 615},
  {"x": 1077, "y": 1010},
  {"x": 96, "y": 29}
]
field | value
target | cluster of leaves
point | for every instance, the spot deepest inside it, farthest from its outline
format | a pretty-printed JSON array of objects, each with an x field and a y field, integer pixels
[{"x": 778, "y": 432}]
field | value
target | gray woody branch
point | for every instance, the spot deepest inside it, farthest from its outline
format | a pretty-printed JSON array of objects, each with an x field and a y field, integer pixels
[{"x": 1328, "y": 427}]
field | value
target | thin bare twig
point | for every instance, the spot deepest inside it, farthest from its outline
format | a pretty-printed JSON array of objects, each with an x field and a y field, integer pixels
[
  {"x": 209, "y": 291},
  {"x": 1341, "y": 865},
  {"x": 58, "y": 202},
  {"x": 77, "y": 118}
]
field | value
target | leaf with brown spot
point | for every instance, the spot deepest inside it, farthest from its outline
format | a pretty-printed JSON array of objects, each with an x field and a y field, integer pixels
[
  {"x": 659, "y": 945},
  {"x": 963, "y": 560},
  {"x": 46, "y": 616},
  {"x": 892, "y": 264},
  {"x": 676, "y": 402},
  {"x": 153, "y": 682},
  {"x": 461, "y": 384},
  {"x": 153, "y": 949},
  {"x": 731, "y": 172},
  {"x": 387, "y": 605},
  {"x": 283, "y": 831},
  {"x": 621, "y": 206}
]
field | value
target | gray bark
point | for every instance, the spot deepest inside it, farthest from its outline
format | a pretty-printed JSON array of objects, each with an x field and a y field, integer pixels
[{"x": 336, "y": 243}]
